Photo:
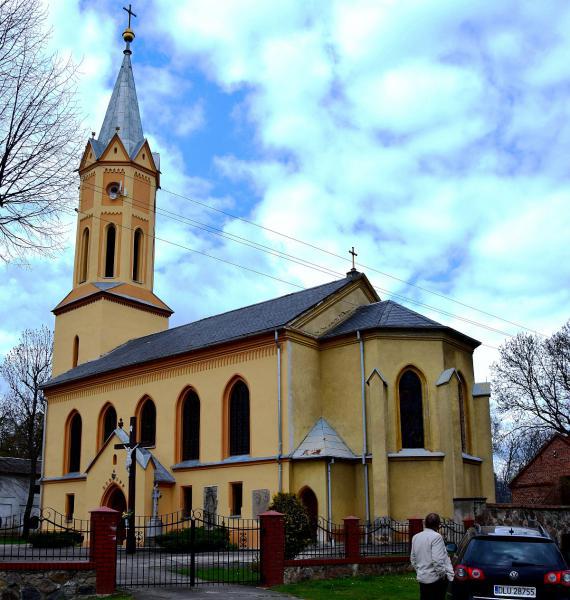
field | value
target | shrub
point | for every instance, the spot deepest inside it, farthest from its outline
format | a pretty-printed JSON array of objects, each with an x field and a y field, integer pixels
[
  {"x": 205, "y": 540},
  {"x": 55, "y": 539},
  {"x": 297, "y": 523}
]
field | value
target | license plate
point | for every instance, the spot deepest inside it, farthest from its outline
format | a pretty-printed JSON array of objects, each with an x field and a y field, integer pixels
[{"x": 514, "y": 591}]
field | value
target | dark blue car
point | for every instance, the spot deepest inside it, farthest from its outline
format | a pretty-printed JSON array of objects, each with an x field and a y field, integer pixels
[{"x": 508, "y": 563}]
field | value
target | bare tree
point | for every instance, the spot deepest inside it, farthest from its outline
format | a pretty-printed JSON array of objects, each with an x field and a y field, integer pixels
[
  {"x": 39, "y": 132},
  {"x": 531, "y": 382},
  {"x": 25, "y": 368}
]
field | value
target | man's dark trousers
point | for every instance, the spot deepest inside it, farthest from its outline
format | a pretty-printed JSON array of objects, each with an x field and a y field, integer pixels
[{"x": 433, "y": 591}]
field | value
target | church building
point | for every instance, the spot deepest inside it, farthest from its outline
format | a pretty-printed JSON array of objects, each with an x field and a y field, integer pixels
[{"x": 359, "y": 405}]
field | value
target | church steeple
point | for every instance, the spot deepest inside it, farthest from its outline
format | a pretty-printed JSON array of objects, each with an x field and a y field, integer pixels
[
  {"x": 123, "y": 110},
  {"x": 112, "y": 299}
]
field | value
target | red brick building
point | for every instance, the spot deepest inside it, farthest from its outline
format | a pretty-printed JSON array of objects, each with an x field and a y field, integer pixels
[{"x": 546, "y": 478}]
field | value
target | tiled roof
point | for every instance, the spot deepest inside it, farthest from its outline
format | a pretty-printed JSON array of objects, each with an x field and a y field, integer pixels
[
  {"x": 390, "y": 315},
  {"x": 17, "y": 466},
  {"x": 236, "y": 324},
  {"x": 323, "y": 442}
]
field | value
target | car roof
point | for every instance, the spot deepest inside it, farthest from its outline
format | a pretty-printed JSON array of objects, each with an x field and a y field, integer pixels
[{"x": 510, "y": 531}]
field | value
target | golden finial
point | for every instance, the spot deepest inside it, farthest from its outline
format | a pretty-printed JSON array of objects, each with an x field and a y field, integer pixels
[{"x": 129, "y": 34}]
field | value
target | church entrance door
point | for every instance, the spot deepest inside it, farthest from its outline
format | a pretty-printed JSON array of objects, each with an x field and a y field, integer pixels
[{"x": 310, "y": 502}]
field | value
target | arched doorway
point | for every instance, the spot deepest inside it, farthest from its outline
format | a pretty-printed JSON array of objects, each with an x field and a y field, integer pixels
[
  {"x": 310, "y": 502},
  {"x": 115, "y": 498}
]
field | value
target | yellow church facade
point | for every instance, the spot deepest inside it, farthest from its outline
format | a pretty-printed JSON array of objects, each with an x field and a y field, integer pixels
[{"x": 361, "y": 406}]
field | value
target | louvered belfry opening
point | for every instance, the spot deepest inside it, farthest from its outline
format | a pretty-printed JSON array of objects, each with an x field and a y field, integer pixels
[
  {"x": 191, "y": 427},
  {"x": 110, "y": 251},
  {"x": 411, "y": 410},
  {"x": 239, "y": 419}
]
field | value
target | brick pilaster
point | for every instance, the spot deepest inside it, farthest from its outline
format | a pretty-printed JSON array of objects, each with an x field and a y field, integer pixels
[
  {"x": 272, "y": 547},
  {"x": 103, "y": 548},
  {"x": 414, "y": 526},
  {"x": 352, "y": 538}
]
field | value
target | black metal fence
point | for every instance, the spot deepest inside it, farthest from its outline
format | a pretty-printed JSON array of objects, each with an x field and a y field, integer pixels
[
  {"x": 181, "y": 549},
  {"x": 384, "y": 537},
  {"x": 452, "y": 531},
  {"x": 49, "y": 536},
  {"x": 328, "y": 541}
]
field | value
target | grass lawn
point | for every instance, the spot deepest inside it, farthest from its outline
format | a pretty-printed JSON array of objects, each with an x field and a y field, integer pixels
[
  {"x": 237, "y": 574},
  {"x": 12, "y": 540},
  {"x": 381, "y": 587}
]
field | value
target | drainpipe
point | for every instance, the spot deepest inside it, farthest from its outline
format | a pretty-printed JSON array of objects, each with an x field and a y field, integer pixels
[
  {"x": 364, "y": 430},
  {"x": 43, "y": 471},
  {"x": 279, "y": 418},
  {"x": 329, "y": 497}
]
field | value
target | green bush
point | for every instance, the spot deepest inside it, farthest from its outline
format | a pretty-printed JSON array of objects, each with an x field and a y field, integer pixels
[
  {"x": 298, "y": 533},
  {"x": 55, "y": 539},
  {"x": 205, "y": 540}
]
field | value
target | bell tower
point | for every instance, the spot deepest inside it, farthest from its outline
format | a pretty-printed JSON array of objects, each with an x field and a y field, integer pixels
[{"x": 112, "y": 298}]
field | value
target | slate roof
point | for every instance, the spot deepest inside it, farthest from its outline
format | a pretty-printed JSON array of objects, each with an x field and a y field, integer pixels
[
  {"x": 123, "y": 112},
  {"x": 236, "y": 324},
  {"x": 323, "y": 442},
  {"x": 17, "y": 466},
  {"x": 388, "y": 314}
]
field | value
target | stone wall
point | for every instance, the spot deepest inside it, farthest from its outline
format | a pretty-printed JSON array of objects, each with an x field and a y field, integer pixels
[
  {"x": 555, "y": 519},
  {"x": 304, "y": 573},
  {"x": 44, "y": 585}
]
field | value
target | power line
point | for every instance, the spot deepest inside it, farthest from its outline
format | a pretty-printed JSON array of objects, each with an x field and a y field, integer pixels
[{"x": 299, "y": 261}]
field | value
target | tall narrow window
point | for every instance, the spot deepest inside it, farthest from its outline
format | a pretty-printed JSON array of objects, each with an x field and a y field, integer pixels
[
  {"x": 137, "y": 255},
  {"x": 191, "y": 427},
  {"x": 148, "y": 422},
  {"x": 187, "y": 501},
  {"x": 69, "y": 507},
  {"x": 236, "y": 494},
  {"x": 110, "y": 251},
  {"x": 239, "y": 420},
  {"x": 462, "y": 413},
  {"x": 74, "y": 444},
  {"x": 84, "y": 256},
  {"x": 75, "y": 350},
  {"x": 411, "y": 410},
  {"x": 109, "y": 422}
]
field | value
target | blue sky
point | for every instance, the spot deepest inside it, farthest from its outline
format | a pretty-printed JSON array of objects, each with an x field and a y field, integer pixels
[{"x": 432, "y": 135}]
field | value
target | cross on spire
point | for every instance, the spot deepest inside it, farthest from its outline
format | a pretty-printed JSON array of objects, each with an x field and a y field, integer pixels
[
  {"x": 354, "y": 255},
  {"x": 131, "y": 14}
]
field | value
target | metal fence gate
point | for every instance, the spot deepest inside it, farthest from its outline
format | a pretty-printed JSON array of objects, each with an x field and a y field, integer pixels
[{"x": 190, "y": 549}]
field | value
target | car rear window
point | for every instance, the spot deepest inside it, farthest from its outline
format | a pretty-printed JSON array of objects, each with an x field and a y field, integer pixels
[{"x": 510, "y": 552}]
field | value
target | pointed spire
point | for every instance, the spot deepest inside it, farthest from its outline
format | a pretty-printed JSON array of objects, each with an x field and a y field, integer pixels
[{"x": 123, "y": 111}]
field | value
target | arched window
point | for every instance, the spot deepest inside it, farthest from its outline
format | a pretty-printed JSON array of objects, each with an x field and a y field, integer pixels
[
  {"x": 239, "y": 420},
  {"x": 191, "y": 426},
  {"x": 147, "y": 419},
  {"x": 108, "y": 422},
  {"x": 137, "y": 255},
  {"x": 75, "y": 350},
  {"x": 411, "y": 410},
  {"x": 84, "y": 256},
  {"x": 74, "y": 444},
  {"x": 110, "y": 251},
  {"x": 462, "y": 413}
]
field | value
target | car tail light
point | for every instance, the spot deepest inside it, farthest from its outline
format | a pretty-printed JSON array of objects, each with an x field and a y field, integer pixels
[
  {"x": 463, "y": 573},
  {"x": 555, "y": 577}
]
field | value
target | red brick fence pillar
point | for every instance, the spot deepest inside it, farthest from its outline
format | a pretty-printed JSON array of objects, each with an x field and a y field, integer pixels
[
  {"x": 414, "y": 526},
  {"x": 272, "y": 547},
  {"x": 468, "y": 523},
  {"x": 352, "y": 537},
  {"x": 103, "y": 548}
]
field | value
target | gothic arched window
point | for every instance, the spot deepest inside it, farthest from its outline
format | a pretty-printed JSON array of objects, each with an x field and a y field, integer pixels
[
  {"x": 191, "y": 426},
  {"x": 110, "y": 243},
  {"x": 137, "y": 255},
  {"x": 239, "y": 420},
  {"x": 147, "y": 418},
  {"x": 75, "y": 351},
  {"x": 462, "y": 412},
  {"x": 84, "y": 256},
  {"x": 108, "y": 422},
  {"x": 411, "y": 410},
  {"x": 74, "y": 444}
]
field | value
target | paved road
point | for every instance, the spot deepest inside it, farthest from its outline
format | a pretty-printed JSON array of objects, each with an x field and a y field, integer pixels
[{"x": 232, "y": 592}]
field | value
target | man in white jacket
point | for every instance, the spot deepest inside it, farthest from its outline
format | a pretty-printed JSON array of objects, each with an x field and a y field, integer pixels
[{"x": 430, "y": 560}]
